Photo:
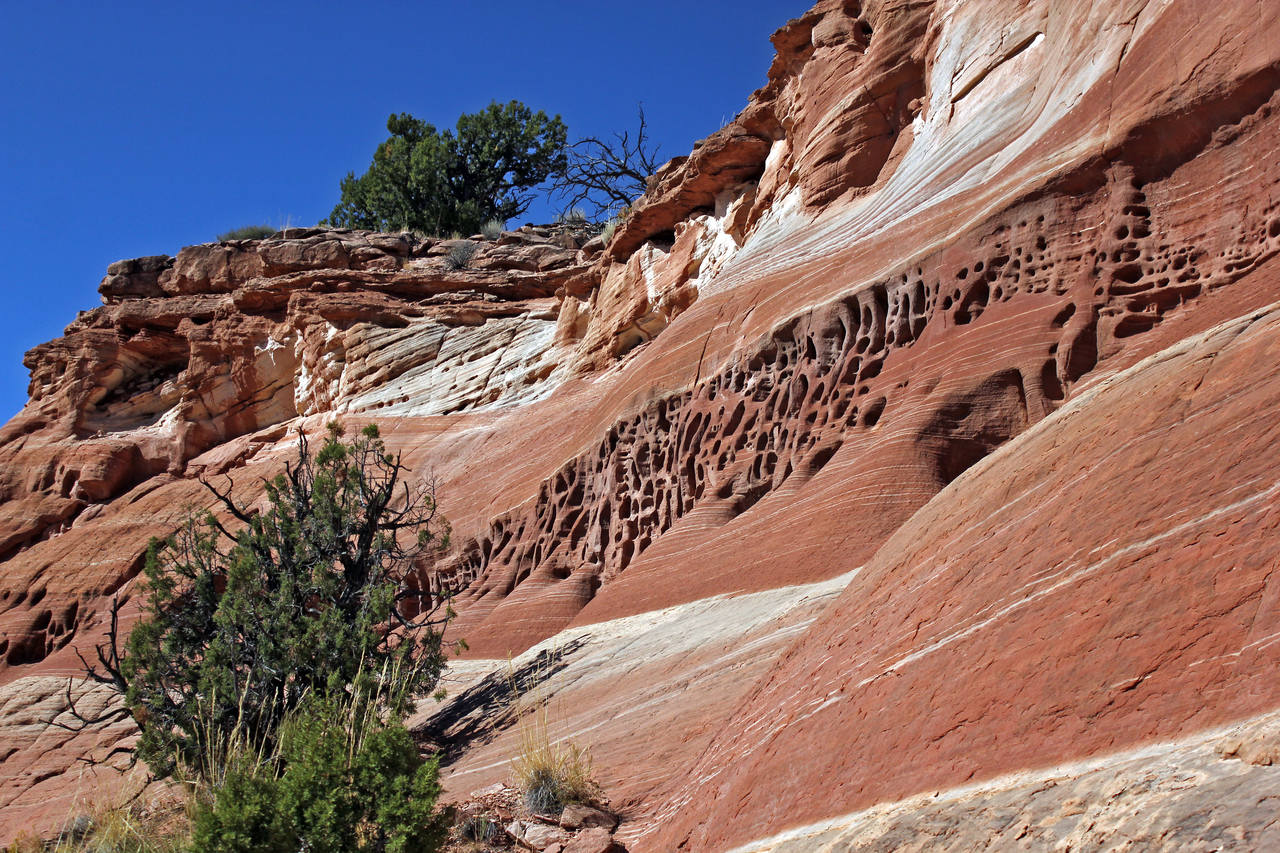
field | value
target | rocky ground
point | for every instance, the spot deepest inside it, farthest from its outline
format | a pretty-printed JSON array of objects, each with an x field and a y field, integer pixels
[{"x": 496, "y": 819}]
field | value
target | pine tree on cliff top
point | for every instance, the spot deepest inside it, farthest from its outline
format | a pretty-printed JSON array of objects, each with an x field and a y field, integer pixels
[{"x": 438, "y": 182}]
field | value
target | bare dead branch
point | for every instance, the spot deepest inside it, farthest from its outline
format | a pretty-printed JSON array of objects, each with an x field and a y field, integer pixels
[
  {"x": 226, "y": 500},
  {"x": 605, "y": 174}
]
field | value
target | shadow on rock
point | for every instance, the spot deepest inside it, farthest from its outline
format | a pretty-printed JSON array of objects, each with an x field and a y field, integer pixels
[{"x": 481, "y": 712}]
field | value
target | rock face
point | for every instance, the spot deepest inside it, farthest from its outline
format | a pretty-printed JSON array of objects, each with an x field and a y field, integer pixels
[{"x": 902, "y": 474}]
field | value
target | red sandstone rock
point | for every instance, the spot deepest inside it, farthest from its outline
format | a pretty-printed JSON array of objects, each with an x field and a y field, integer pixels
[
  {"x": 973, "y": 305},
  {"x": 1156, "y": 597},
  {"x": 594, "y": 841},
  {"x": 540, "y": 836},
  {"x": 578, "y": 816}
]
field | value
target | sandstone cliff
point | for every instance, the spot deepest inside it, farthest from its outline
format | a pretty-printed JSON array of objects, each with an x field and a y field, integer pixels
[{"x": 903, "y": 473}]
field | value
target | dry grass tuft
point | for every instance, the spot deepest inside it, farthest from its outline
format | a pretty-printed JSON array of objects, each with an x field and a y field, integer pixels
[
  {"x": 132, "y": 828},
  {"x": 550, "y": 774}
]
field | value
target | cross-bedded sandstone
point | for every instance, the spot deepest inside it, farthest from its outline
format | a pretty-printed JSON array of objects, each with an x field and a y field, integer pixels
[{"x": 970, "y": 313}]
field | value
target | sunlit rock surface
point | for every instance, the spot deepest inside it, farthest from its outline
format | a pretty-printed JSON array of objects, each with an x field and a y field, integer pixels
[{"x": 902, "y": 474}]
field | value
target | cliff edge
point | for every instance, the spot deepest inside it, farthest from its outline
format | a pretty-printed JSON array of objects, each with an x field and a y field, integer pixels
[{"x": 902, "y": 474}]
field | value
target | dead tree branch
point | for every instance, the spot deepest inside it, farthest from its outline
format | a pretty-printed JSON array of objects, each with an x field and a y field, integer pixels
[{"x": 605, "y": 174}]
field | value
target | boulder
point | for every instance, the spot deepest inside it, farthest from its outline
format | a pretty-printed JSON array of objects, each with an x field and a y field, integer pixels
[
  {"x": 540, "y": 836},
  {"x": 595, "y": 840},
  {"x": 579, "y": 816},
  {"x": 137, "y": 278}
]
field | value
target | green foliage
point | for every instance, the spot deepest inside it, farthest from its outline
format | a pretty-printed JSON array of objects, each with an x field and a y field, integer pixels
[
  {"x": 493, "y": 229},
  {"x": 273, "y": 668},
  {"x": 381, "y": 784},
  {"x": 239, "y": 630},
  {"x": 248, "y": 232},
  {"x": 350, "y": 782},
  {"x": 244, "y": 817},
  {"x": 440, "y": 181}
]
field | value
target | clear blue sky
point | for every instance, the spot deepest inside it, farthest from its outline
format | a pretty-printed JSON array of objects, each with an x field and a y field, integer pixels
[{"x": 135, "y": 128}]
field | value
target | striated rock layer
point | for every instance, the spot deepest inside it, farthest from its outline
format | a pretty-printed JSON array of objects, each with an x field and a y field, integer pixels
[{"x": 901, "y": 474}]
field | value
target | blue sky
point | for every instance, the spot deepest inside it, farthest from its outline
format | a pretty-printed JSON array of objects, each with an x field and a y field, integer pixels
[{"x": 137, "y": 128}]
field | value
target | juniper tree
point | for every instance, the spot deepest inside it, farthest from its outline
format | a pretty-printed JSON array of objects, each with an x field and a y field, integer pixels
[
  {"x": 240, "y": 627},
  {"x": 443, "y": 181}
]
